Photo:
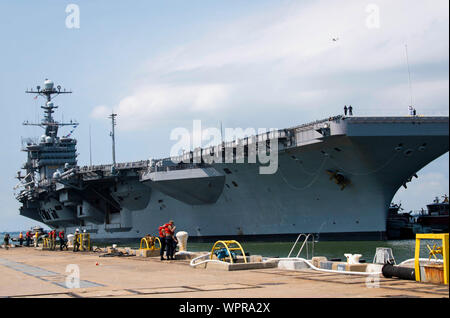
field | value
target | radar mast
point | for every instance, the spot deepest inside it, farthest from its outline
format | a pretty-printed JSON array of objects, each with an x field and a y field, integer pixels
[{"x": 51, "y": 126}]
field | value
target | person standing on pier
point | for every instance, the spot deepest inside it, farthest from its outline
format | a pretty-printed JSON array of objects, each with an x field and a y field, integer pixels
[
  {"x": 52, "y": 238},
  {"x": 76, "y": 240},
  {"x": 350, "y": 110},
  {"x": 345, "y": 110},
  {"x": 171, "y": 241},
  {"x": 21, "y": 238},
  {"x": 36, "y": 238},
  {"x": 28, "y": 235},
  {"x": 62, "y": 240},
  {"x": 6, "y": 240},
  {"x": 162, "y": 238}
]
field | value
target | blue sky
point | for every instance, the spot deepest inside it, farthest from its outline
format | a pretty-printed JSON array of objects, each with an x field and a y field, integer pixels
[{"x": 161, "y": 64}]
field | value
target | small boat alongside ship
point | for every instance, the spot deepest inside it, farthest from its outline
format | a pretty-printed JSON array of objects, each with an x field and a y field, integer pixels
[
  {"x": 436, "y": 216},
  {"x": 33, "y": 230},
  {"x": 402, "y": 225}
]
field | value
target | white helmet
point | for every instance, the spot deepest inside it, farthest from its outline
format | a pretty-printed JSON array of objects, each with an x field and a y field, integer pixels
[
  {"x": 77, "y": 230},
  {"x": 84, "y": 231}
]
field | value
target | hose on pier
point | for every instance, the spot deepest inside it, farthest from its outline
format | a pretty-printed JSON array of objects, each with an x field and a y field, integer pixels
[{"x": 390, "y": 270}]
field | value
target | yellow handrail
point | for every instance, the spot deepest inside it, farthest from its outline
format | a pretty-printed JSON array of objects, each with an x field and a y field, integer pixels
[
  {"x": 45, "y": 242},
  {"x": 227, "y": 244},
  {"x": 152, "y": 246},
  {"x": 159, "y": 242},
  {"x": 84, "y": 237},
  {"x": 443, "y": 250}
]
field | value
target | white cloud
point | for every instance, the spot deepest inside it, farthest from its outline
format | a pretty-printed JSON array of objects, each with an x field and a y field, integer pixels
[
  {"x": 285, "y": 58},
  {"x": 151, "y": 104},
  {"x": 101, "y": 112}
]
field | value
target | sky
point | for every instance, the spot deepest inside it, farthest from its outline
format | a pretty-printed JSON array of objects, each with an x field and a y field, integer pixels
[{"x": 262, "y": 64}]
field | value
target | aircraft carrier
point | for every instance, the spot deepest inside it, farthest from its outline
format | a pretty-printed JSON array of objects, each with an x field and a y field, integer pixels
[{"x": 335, "y": 177}]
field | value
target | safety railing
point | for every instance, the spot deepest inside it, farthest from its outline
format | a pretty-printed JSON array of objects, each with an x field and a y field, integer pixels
[
  {"x": 45, "y": 243},
  {"x": 150, "y": 243},
  {"x": 125, "y": 165},
  {"x": 84, "y": 241},
  {"x": 307, "y": 236},
  {"x": 231, "y": 245}
]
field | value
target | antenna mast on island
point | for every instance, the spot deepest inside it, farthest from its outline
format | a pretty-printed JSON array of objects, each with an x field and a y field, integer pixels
[{"x": 112, "y": 134}]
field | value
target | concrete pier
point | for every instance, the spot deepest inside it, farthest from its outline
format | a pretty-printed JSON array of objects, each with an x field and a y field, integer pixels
[{"x": 29, "y": 272}]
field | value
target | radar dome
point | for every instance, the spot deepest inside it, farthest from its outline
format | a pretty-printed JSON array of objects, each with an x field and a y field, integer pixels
[
  {"x": 48, "y": 139},
  {"x": 50, "y": 104},
  {"x": 48, "y": 84},
  {"x": 43, "y": 138}
]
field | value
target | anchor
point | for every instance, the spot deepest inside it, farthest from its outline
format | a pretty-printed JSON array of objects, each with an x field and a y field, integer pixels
[{"x": 339, "y": 178}]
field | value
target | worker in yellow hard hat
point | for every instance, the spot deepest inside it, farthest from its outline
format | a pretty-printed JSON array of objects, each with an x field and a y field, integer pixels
[
  {"x": 36, "y": 237},
  {"x": 21, "y": 238},
  {"x": 76, "y": 240}
]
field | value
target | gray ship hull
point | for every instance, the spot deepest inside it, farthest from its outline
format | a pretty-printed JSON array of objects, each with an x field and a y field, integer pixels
[{"x": 375, "y": 155}]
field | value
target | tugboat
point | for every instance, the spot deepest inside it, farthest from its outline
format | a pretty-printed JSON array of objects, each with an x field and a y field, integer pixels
[
  {"x": 401, "y": 225},
  {"x": 38, "y": 229},
  {"x": 33, "y": 231},
  {"x": 435, "y": 219}
]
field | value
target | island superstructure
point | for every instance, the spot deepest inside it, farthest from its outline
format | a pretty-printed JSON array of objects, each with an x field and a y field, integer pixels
[{"x": 335, "y": 177}]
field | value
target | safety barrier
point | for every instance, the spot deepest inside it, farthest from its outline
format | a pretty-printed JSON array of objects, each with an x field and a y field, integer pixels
[
  {"x": 228, "y": 245},
  {"x": 443, "y": 250},
  {"x": 150, "y": 245},
  {"x": 307, "y": 236},
  {"x": 84, "y": 241},
  {"x": 45, "y": 243}
]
